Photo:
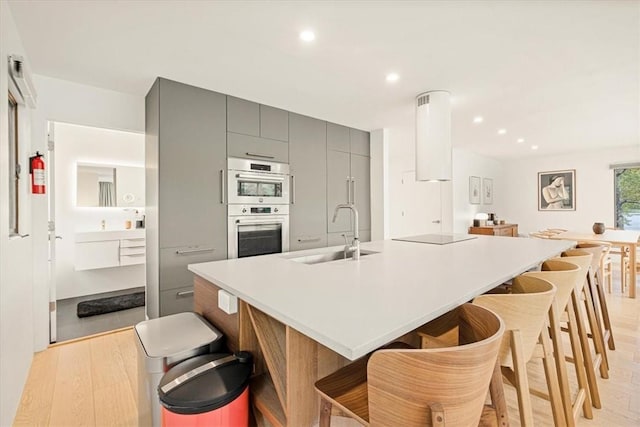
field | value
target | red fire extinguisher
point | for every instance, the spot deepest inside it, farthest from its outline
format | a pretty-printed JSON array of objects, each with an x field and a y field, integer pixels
[{"x": 36, "y": 169}]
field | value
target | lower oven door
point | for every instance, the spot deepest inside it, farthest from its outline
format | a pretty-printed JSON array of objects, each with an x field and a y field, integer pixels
[{"x": 251, "y": 236}]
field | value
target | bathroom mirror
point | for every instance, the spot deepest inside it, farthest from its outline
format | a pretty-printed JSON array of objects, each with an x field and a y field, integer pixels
[{"x": 109, "y": 185}]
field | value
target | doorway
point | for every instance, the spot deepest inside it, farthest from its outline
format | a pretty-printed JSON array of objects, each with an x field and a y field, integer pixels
[{"x": 96, "y": 230}]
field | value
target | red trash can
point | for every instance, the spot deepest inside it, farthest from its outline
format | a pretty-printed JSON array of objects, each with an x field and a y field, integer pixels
[{"x": 208, "y": 390}]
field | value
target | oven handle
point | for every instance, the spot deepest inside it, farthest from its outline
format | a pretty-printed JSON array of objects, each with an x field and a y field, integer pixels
[{"x": 260, "y": 177}]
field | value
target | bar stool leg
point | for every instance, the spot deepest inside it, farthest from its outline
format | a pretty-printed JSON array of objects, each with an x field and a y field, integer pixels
[
  {"x": 605, "y": 310},
  {"x": 553, "y": 386},
  {"x": 595, "y": 324},
  {"x": 589, "y": 366}
]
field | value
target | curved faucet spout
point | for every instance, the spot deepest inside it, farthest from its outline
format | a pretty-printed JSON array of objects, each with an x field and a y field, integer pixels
[{"x": 355, "y": 246}]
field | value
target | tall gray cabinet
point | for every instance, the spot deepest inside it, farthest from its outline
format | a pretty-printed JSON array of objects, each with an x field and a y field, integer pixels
[
  {"x": 348, "y": 181},
  {"x": 186, "y": 217},
  {"x": 307, "y": 156}
]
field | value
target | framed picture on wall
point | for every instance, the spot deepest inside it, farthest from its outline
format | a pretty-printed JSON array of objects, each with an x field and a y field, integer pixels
[
  {"x": 474, "y": 190},
  {"x": 557, "y": 190},
  {"x": 487, "y": 191}
]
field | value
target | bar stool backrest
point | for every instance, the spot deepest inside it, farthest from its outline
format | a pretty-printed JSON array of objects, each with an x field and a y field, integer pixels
[{"x": 563, "y": 275}]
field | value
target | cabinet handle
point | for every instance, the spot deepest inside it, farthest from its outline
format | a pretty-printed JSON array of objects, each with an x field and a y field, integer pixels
[
  {"x": 22, "y": 236},
  {"x": 353, "y": 192},
  {"x": 293, "y": 190},
  {"x": 437, "y": 221},
  {"x": 222, "y": 186},
  {"x": 348, "y": 189},
  {"x": 315, "y": 239},
  {"x": 193, "y": 251},
  {"x": 184, "y": 293},
  {"x": 260, "y": 156}
]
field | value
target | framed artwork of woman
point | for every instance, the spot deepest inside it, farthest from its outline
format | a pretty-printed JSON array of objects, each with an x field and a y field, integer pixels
[{"x": 557, "y": 190}]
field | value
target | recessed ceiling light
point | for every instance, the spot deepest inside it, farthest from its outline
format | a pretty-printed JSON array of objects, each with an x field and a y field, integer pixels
[
  {"x": 502, "y": 131},
  {"x": 520, "y": 140},
  {"x": 478, "y": 119},
  {"x": 534, "y": 147},
  {"x": 392, "y": 77},
  {"x": 307, "y": 36}
]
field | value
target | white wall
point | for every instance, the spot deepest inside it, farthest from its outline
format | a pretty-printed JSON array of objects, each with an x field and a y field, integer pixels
[
  {"x": 64, "y": 101},
  {"x": 16, "y": 254},
  {"x": 466, "y": 164},
  {"x": 594, "y": 189},
  {"x": 82, "y": 144}
]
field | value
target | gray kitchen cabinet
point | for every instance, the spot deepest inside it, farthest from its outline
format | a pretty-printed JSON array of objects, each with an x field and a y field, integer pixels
[
  {"x": 174, "y": 261},
  {"x": 256, "y": 148},
  {"x": 348, "y": 178},
  {"x": 176, "y": 300},
  {"x": 338, "y": 137},
  {"x": 302, "y": 242},
  {"x": 359, "y": 142},
  {"x": 243, "y": 116},
  {"x": 361, "y": 191},
  {"x": 274, "y": 123},
  {"x": 308, "y": 168},
  {"x": 338, "y": 189},
  {"x": 185, "y": 159}
]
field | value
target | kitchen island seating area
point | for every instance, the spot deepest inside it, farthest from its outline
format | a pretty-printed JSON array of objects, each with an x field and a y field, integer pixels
[
  {"x": 444, "y": 385},
  {"x": 293, "y": 355}
]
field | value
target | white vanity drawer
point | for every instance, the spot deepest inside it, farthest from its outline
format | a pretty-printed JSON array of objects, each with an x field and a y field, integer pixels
[
  {"x": 138, "y": 250},
  {"x": 134, "y": 259},
  {"x": 132, "y": 243}
]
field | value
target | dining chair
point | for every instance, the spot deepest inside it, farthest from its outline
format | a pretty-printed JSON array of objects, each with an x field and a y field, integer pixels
[
  {"x": 525, "y": 314},
  {"x": 444, "y": 386}
]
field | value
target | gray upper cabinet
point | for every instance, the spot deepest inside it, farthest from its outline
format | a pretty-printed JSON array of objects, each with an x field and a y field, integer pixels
[
  {"x": 274, "y": 123},
  {"x": 253, "y": 147},
  {"x": 307, "y": 155},
  {"x": 192, "y": 152},
  {"x": 338, "y": 137},
  {"x": 338, "y": 189},
  {"x": 359, "y": 142},
  {"x": 243, "y": 116},
  {"x": 361, "y": 189}
]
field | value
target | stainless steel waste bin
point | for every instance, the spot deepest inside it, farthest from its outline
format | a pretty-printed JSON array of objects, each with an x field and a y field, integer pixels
[{"x": 163, "y": 343}]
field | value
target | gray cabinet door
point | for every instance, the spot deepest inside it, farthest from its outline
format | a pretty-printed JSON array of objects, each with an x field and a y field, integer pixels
[
  {"x": 360, "y": 167},
  {"x": 174, "y": 261},
  {"x": 176, "y": 301},
  {"x": 302, "y": 242},
  {"x": 307, "y": 155},
  {"x": 192, "y": 154},
  {"x": 338, "y": 137},
  {"x": 243, "y": 116},
  {"x": 274, "y": 123},
  {"x": 256, "y": 148},
  {"x": 338, "y": 189},
  {"x": 359, "y": 142}
]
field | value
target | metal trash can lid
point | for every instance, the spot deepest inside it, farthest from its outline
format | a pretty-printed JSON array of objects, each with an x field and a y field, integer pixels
[
  {"x": 205, "y": 383},
  {"x": 174, "y": 334}
]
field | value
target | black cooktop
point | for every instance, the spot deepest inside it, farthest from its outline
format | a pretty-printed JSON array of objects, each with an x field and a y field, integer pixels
[{"x": 437, "y": 239}]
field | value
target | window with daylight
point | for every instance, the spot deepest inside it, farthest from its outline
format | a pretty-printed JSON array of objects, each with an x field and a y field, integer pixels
[
  {"x": 14, "y": 166},
  {"x": 627, "y": 197}
]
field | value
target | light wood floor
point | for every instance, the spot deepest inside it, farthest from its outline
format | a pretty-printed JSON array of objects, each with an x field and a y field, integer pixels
[{"x": 93, "y": 382}]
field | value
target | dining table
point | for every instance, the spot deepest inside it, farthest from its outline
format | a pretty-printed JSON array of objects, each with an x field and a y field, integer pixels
[{"x": 623, "y": 238}]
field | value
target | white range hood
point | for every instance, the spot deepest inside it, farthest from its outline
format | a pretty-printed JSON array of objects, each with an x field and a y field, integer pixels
[{"x": 433, "y": 136}]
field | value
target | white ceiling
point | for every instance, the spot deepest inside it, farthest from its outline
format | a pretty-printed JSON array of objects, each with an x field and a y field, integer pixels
[{"x": 564, "y": 75}]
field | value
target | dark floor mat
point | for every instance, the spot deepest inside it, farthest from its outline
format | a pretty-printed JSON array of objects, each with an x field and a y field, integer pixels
[{"x": 110, "y": 304}]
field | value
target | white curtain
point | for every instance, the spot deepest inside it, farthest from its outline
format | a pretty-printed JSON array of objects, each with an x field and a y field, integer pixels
[{"x": 107, "y": 194}]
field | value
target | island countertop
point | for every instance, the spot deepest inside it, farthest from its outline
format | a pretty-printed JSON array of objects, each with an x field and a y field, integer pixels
[{"x": 354, "y": 307}]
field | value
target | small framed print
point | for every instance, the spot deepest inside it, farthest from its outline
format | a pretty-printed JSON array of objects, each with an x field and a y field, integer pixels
[
  {"x": 557, "y": 190},
  {"x": 474, "y": 190},
  {"x": 487, "y": 191}
]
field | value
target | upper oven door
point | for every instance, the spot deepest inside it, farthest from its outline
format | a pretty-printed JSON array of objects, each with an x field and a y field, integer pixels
[{"x": 254, "y": 187}]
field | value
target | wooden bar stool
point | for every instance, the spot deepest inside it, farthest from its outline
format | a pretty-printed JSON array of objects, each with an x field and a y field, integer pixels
[
  {"x": 420, "y": 387},
  {"x": 596, "y": 285},
  {"x": 525, "y": 313},
  {"x": 564, "y": 276}
]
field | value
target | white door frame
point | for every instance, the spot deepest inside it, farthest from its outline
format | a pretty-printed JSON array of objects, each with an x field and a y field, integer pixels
[{"x": 51, "y": 199}]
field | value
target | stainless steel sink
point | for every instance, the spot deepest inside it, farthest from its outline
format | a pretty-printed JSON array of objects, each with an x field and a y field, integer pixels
[{"x": 327, "y": 257}]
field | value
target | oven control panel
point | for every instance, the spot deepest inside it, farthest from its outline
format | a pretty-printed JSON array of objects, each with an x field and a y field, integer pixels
[{"x": 248, "y": 210}]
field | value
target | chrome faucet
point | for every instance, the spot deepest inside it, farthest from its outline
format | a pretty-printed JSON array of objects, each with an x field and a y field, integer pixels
[{"x": 355, "y": 245}]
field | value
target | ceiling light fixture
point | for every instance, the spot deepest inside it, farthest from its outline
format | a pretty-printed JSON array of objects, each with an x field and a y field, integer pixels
[
  {"x": 534, "y": 147},
  {"x": 502, "y": 131},
  {"x": 307, "y": 36},
  {"x": 433, "y": 136},
  {"x": 478, "y": 119},
  {"x": 520, "y": 140},
  {"x": 392, "y": 77}
]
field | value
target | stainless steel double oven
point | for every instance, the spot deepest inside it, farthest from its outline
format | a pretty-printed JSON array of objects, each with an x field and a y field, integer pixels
[{"x": 258, "y": 210}]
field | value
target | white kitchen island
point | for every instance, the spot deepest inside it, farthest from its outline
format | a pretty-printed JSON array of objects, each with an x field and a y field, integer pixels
[{"x": 301, "y": 318}]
